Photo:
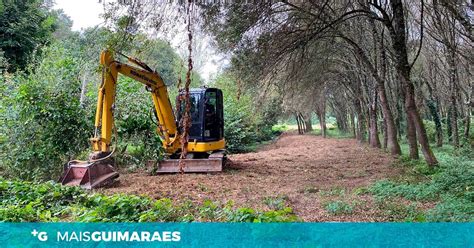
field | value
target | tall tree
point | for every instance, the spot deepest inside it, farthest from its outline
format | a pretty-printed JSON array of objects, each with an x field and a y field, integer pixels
[{"x": 25, "y": 26}]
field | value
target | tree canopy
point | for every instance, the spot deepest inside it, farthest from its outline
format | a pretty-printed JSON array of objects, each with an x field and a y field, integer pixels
[{"x": 25, "y": 26}]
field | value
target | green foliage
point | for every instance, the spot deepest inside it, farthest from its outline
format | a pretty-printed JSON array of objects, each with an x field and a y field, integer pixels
[
  {"x": 25, "y": 26},
  {"x": 396, "y": 210},
  {"x": 336, "y": 191},
  {"x": 452, "y": 209},
  {"x": 418, "y": 192},
  {"x": 45, "y": 122},
  {"x": 451, "y": 186},
  {"x": 279, "y": 129},
  {"x": 339, "y": 208},
  {"x": 276, "y": 203},
  {"x": 26, "y": 201},
  {"x": 3, "y": 63},
  {"x": 246, "y": 123},
  {"x": 136, "y": 125},
  {"x": 430, "y": 127}
]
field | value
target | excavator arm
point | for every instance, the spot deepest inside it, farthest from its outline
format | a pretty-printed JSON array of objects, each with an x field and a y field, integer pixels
[{"x": 104, "y": 120}]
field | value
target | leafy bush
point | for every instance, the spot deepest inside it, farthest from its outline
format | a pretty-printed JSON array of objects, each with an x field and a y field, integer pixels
[
  {"x": 277, "y": 203},
  {"x": 246, "y": 123},
  {"x": 45, "y": 123},
  {"x": 237, "y": 130},
  {"x": 430, "y": 130},
  {"x": 27, "y": 201},
  {"x": 279, "y": 129},
  {"x": 339, "y": 208}
]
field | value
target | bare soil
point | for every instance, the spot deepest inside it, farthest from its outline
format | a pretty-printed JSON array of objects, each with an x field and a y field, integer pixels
[{"x": 306, "y": 171}]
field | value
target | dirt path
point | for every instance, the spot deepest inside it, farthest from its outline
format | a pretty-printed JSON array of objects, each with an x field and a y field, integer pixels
[{"x": 306, "y": 172}]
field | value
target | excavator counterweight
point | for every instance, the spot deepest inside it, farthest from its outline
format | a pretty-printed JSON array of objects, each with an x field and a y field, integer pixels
[{"x": 206, "y": 144}]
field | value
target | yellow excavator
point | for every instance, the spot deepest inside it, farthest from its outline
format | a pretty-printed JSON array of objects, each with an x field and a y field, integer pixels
[{"x": 206, "y": 144}]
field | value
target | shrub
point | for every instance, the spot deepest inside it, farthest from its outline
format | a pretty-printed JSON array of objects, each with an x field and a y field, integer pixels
[
  {"x": 339, "y": 208},
  {"x": 395, "y": 210},
  {"x": 276, "y": 203},
  {"x": 245, "y": 122},
  {"x": 44, "y": 118},
  {"x": 451, "y": 186},
  {"x": 26, "y": 201},
  {"x": 430, "y": 130},
  {"x": 279, "y": 129},
  {"x": 452, "y": 209},
  {"x": 419, "y": 192}
]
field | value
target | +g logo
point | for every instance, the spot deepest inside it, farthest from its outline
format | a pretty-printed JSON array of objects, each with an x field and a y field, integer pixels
[{"x": 42, "y": 236}]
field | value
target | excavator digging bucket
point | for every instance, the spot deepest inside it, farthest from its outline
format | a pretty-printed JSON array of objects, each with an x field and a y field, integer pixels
[
  {"x": 89, "y": 175},
  {"x": 213, "y": 163}
]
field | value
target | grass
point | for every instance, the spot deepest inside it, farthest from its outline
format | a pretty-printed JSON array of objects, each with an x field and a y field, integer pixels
[
  {"x": 334, "y": 133},
  {"x": 396, "y": 210},
  {"x": 336, "y": 191},
  {"x": 450, "y": 187},
  {"x": 50, "y": 202},
  {"x": 331, "y": 132}
]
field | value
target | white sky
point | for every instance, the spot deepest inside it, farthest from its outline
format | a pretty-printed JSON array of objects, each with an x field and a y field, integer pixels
[
  {"x": 86, "y": 13},
  {"x": 83, "y": 13}
]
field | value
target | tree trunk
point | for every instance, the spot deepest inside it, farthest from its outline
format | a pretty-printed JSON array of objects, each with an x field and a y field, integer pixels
[
  {"x": 385, "y": 137},
  {"x": 437, "y": 121},
  {"x": 467, "y": 124},
  {"x": 454, "y": 93},
  {"x": 308, "y": 124},
  {"x": 454, "y": 122},
  {"x": 321, "y": 112},
  {"x": 298, "y": 123},
  {"x": 410, "y": 128},
  {"x": 83, "y": 89},
  {"x": 360, "y": 132},
  {"x": 403, "y": 69},
  {"x": 353, "y": 125},
  {"x": 391, "y": 130},
  {"x": 434, "y": 111},
  {"x": 303, "y": 124},
  {"x": 373, "y": 126},
  {"x": 322, "y": 122}
]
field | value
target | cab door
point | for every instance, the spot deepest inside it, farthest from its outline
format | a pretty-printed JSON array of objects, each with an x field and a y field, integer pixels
[{"x": 213, "y": 128}]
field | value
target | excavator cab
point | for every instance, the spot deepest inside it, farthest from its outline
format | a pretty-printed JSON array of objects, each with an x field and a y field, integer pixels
[{"x": 207, "y": 114}]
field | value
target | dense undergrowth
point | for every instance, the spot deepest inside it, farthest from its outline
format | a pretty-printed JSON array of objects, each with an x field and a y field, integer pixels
[
  {"x": 449, "y": 188},
  {"x": 23, "y": 201}
]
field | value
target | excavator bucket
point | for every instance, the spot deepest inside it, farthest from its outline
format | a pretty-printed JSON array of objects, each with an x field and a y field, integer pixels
[
  {"x": 213, "y": 163},
  {"x": 89, "y": 175}
]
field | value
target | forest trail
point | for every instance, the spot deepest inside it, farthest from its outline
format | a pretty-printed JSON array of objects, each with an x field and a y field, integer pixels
[{"x": 305, "y": 172}]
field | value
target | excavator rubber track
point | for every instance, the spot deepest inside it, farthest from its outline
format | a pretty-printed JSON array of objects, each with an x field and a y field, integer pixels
[{"x": 214, "y": 163}]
